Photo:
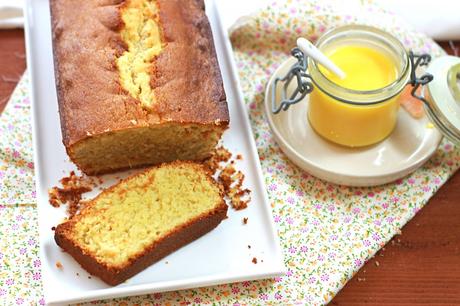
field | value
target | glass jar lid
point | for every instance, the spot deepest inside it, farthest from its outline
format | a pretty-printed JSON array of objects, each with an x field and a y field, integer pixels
[{"x": 443, "y": 96}]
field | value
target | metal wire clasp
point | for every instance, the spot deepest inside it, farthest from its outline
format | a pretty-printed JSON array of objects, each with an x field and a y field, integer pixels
[
  {"x": 419, "y": 61},
  {"x": 298, "y": 72},
  {"x": 304, "y": 85}
]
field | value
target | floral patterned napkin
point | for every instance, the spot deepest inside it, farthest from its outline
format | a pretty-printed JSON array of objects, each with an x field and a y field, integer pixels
[
  {"x": 16, "y": 158},
  {"x": 327, "y": 231}
]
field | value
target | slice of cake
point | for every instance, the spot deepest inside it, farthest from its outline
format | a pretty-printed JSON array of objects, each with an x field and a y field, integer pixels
[{"x": 142, "y": 219}]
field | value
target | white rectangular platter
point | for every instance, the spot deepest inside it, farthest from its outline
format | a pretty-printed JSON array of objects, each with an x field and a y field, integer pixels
[{"x": 222, "y": 256}]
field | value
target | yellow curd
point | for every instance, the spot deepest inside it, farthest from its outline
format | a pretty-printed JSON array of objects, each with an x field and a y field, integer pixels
[{"x": 354, "y": 125}]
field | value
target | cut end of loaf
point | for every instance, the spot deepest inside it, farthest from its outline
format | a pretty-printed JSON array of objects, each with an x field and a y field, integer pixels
[{"x": 141, "y": 146}]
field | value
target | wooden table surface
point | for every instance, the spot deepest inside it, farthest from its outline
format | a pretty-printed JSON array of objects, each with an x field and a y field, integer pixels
[{"x": 420, "y": 266}]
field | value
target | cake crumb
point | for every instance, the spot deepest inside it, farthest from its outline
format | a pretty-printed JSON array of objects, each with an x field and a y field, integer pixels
[
  {"x": 78, "y": 274},
  {"x": 73, "y": 187},
  {"x": 219, "y": 155},
  {"x": 377, "y": 263},
  {"x": 59, "y": 265},
  {"x": 249, "y": 246},
  {"x": 89, "y": 277},
  {"x": 254, "y": 260},
  {"x": 239, "y": 157},
  {"x": 245, "y": 221},
  {"x": 53, "y": 228},
  {"x": 230, "y": 178}
]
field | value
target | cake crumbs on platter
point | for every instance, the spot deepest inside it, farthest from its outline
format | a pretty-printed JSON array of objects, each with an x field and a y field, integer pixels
[
  {"x": 59, "y": 265},
  {"x": 245, "y": 220},
  {"x": 232, "y": 180},
  {"x": 254, "y": 260},
  {"x": 222, "y": 166},
  {"x": 73, "y": 187},
  {"x": 219, "y": 155}
]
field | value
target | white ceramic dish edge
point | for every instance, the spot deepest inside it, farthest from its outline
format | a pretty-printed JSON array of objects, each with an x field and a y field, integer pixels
[
  {"x": 330, "y": 176},
  {"x": 172, "y": 285}
]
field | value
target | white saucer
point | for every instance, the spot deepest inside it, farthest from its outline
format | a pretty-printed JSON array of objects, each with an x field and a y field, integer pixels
[{"x": 407, "y": 148}]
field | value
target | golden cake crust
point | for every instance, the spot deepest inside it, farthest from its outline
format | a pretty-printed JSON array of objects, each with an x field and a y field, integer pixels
[
  {"x": 185, "y": 77},
  {"x": 175, "y": 239}
]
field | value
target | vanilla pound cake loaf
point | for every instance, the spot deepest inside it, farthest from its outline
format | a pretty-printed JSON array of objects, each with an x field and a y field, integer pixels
[
  {"x": 142, "y": 219},
  {"x": 138, "y": 82}
]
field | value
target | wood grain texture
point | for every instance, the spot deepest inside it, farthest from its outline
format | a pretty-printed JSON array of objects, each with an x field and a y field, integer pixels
[
  {"x": 12, "y": 62},
  {"x": 419, "y": 267}
]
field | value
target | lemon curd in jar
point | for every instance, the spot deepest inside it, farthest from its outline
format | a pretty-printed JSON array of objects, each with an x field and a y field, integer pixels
[{"x": 362, "y": 108}]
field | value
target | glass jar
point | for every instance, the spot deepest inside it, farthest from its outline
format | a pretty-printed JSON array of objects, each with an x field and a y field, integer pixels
[
  {"x": 351, "y": 117},
  {"x": 357, "y": 118}
]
